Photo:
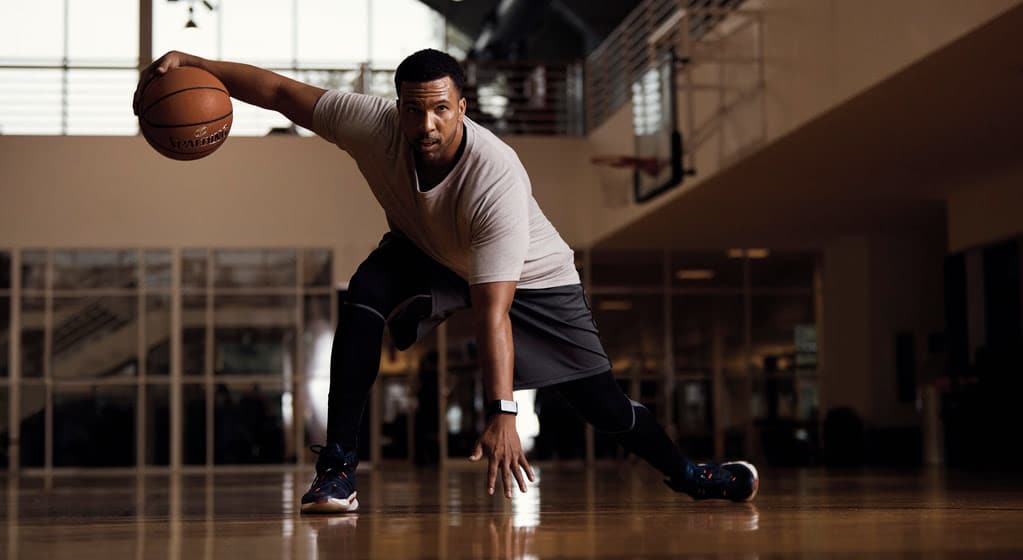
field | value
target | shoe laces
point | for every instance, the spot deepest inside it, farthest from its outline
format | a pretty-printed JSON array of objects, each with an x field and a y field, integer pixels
[
  {"x": 338, "y": 468},
  {"x": 711, "y": 472},
  {"x": 710, "y": 475}
]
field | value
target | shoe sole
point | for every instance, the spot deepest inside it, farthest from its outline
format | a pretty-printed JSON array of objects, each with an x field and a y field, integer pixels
[
  {"x": 756, "y": 478},
  {"x": 332, "y": 505}
]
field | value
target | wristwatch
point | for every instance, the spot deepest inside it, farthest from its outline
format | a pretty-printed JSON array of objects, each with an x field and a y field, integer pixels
[{"x": 502, "y": 407}]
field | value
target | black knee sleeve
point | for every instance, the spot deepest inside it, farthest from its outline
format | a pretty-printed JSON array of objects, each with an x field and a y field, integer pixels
[
  {"x": 370, "y": 294},
  {"x": 600, "y": 400}
]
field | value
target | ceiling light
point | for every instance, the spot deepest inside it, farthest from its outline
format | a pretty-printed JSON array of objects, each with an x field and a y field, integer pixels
[
  {"x": 748, "y": 253},
  {"x": 614, "y": 305},
  {"x": 695, "y": 274}
]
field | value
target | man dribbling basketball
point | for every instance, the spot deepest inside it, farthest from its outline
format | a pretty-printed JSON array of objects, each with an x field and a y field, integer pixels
[{"x": 465, "y": 232}]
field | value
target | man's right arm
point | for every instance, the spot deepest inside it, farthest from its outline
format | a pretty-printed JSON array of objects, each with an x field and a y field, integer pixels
[{"x": 263, "y": 88}]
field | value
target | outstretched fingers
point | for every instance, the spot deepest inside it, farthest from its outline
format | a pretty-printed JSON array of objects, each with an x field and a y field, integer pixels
[
  {"x": 528, "y": 469},
  {"x": 506, "y": 467},
  {"x": 517, "y": 471}
]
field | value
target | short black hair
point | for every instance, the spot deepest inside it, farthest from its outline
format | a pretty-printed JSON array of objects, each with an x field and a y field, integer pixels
[{"x": 428, "y": 65}]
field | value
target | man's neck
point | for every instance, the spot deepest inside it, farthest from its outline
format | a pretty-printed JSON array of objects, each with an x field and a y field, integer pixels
[{"x": 431, "y": 175}]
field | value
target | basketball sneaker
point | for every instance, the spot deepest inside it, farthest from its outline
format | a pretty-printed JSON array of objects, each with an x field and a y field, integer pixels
[
  {"x": 737, "y": 481},
  {"x": 333, "y": 489}
]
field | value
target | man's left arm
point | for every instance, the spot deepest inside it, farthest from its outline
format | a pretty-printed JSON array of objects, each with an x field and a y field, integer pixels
[{"x": 500, "y": 442}]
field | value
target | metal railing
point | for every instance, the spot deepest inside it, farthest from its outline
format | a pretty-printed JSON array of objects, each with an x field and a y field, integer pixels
[
  {"x": 639, "y": 42},
  {"x": 61, "y": 99},
  {"x": 717, "y": 49}
]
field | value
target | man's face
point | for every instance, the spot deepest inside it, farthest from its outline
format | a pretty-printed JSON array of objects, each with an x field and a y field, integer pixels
[{"x": 431, "y": 119}]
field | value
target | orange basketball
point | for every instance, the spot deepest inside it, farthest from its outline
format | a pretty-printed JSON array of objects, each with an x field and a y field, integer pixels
[{"x": 186, "y": 113}]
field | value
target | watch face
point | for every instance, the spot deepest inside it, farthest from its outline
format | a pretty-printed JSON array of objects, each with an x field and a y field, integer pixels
[{"x": 504, "y": 407}]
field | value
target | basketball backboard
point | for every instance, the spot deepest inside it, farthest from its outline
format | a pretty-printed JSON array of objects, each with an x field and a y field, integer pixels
[{"x": 655, "y": 125}]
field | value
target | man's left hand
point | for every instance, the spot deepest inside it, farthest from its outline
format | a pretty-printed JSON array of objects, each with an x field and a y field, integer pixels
[{"x": 500, "y": 442}]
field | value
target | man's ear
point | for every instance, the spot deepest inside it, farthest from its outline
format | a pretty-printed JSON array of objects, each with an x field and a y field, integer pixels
[{"x": 461, "y": 105}]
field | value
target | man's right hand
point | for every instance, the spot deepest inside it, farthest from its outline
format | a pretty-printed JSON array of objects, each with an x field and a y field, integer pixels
[{"x": 158, "y": 68}]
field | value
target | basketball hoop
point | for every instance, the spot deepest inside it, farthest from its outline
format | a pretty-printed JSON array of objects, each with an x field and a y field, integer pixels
[{"x": 616, "y": 176}]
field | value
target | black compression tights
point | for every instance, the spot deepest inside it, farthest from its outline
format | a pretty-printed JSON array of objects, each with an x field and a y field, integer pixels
[
  {"x": 598, "y": 398},
  {"x": 376, "y": 290},
  {"x": 602, "y": 403}
]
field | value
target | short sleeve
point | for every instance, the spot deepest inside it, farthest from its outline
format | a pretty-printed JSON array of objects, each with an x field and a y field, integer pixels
[
  {"x": 500, "y": 233},
  {"x": 355, "y": 121}
]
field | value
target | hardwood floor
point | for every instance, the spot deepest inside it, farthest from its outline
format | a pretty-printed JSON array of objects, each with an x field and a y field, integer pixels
[{"x": 600, "y": 513}]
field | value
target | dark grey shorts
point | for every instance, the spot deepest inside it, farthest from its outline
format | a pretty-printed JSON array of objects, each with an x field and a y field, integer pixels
[{"x": 555, "y": 337}]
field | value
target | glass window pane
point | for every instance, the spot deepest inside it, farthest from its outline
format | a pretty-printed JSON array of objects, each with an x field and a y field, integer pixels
[
  {"x": 33, "y": 31},
  {"x": 249, "y": 423},
  {"x": 394, "y": 38},
  {"x": 193, "y": 444},
  {"x": 33, "y": 270},
  {"x": 344, "y": 79},
  {"x": 562, "y": 432},
  {"x": 170, "y": 33},
  {"x": 96, "y": 102},
  {"x": 255, "y": 268},
  {"x": 33, "y": 321},
  {"x": 5, "y": 431},
  {"x": 30, "y": 100},
  {"x": 158, "y": 328},
  {"x": 397, "y": 404},
  {"x": 103, "y": 33},
  {"x": 33, "y": 425},
  {"x": 157, "y": 425},
  {"x": 254, "y": 335},
  {"x": 627, "y": 268},
  {"x": 5, "y": 334},
  {"x": 464, "y": 411},
  {"x": 258, "y": 31},
  {"x": 250, "y": 120},
  {"x": 5, "y": 270},
  {"x": 193, "y": 268},
  {"x": 193, "y": 336},
  {"x": 700, "y": 322},
  {"x": 631, "y": 328},
  {"x": 706, "y": 269},
  {"x": 694, "y": 411},
  {"x": 317, "y": 268},
  {"x": 381, "y": 83},
  {"x": 88, "y": 268},
  {"x": 333, "y": 32},
  {"x": 318, "y": 334},
  {"x": 775, "y": 321},
  {"x": 708, "y": 328},
  {"x": 80, "y": 413},
  {"x": 790, "y": 270},
  {"x": 158, "y": 269},
  {"x": 95, "y": 337},
  {"x": 318, "y": 337}
]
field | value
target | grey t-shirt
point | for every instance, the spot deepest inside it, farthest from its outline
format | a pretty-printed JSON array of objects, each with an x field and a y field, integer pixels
[{"x": 481, "y": 221}]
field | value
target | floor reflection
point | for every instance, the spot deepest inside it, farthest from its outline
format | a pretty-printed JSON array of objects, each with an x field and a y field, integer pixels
[{"x": 410, "y": 513}]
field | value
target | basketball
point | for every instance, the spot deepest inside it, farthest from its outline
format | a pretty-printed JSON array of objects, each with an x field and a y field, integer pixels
[{"x": 185, "y": 114}]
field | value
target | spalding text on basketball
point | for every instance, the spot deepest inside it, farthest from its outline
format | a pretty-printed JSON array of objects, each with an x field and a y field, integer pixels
[{"x": 201, "y": 138}]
